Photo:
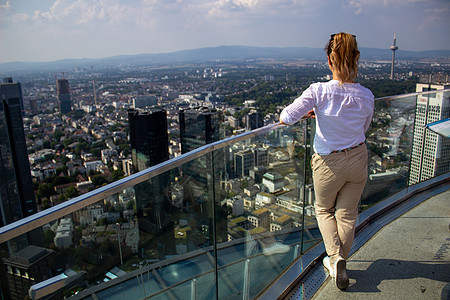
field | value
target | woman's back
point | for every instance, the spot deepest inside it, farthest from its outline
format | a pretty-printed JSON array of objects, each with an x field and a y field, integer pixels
[{"x": 343, "y": 114}]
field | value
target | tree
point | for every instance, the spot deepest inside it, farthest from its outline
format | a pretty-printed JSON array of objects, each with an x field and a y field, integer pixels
[
  {"x": 102, "y": 222},
  {"x": 130, "y": 205},
  {"x": 117, "y": 174},
  {"x": 46, "y": 190},
  {"x": 62, "y": 169},
  {"x": 72, "y": 192},
  {"x": 48, "y": 238},
  {"x": 57, "y": 134},
  {"x": 58, "y": 180},
  {"x": 67, "y": 142},
  {"x": 96, "y": 152},
  {"x": 98, "y": 180},
  {"x": 65, "y": 160},
  {"x": 82, "y": 146}
]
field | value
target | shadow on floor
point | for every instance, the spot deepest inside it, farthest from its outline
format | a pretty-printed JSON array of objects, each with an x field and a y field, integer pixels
[{"x": 392, "y": 269}]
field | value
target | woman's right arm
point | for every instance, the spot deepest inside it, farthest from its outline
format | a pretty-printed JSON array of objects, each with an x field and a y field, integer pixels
[{"x": 301, "y": 106}]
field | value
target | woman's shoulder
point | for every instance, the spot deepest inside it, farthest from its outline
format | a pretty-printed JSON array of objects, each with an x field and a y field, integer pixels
[
  {"x": 325, "y": 85},
  {"x": 367, "y": 92}
]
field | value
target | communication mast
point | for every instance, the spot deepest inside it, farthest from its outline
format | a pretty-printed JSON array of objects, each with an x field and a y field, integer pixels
[{"x": 393, "y": 48}]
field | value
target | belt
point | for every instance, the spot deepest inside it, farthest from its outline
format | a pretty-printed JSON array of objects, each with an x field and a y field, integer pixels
[{"x": 346, "y": 149}]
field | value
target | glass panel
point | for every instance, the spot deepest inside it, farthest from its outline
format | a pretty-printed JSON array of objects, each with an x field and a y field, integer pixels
[
  {"x": 151, "y": 233},
  {"x": 260, "y": 206},
  {"x": 389, "y": 140},
  {"x": 226, "y": 223}
]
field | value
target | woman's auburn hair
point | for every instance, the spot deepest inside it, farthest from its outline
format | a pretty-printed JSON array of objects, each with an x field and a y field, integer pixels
[{"x": 344, "y": 55}]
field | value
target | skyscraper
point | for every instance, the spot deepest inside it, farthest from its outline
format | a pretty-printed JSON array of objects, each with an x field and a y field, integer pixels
[
  {"x": 16, "y": 186},
  {"x": 63, "y": 94},
  {"x": 150, "y": 146},
  {"x": 430, "y": 151},
  {"x": 10, "y": 80},
  {"x": 198, "y": 127},
  {"x": 148, "y": 137}
]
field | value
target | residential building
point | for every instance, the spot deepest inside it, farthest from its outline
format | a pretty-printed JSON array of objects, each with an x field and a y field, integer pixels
[
  {"x": 281, "y": 223},
  {"x": 253, "y": 120},
  {"x": 273, "y": 181},
  {"x": 244, "y": 161},
  {"x": 260, "y": 218}
]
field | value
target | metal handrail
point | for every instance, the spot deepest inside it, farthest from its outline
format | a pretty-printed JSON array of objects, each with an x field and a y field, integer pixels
[{"x": 41, "y": 218}]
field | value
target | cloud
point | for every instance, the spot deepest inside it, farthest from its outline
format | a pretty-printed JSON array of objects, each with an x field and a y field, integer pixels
[
  {"x": 138, "y": 26},
  {"x": 438, "y": 11}
]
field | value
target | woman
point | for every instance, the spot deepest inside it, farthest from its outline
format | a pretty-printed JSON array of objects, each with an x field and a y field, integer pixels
[{"x": 343, "y": 111}]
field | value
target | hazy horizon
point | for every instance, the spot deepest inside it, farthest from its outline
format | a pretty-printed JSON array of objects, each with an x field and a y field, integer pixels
[{"x": 51, "y": 30}]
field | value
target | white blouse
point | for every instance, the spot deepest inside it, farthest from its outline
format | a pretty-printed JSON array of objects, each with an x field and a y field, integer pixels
[{"x": 343, "y": 114}]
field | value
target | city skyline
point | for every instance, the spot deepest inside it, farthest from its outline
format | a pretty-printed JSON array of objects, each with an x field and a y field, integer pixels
[{"x": 58, "y": 29}]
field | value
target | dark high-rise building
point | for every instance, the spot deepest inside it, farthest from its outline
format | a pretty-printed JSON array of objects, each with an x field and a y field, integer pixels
[
  {"x": 150, "y": 146},
  {"x": 16, "y": 186},
  {"x": 63, "y": 94},
  {"x": 253, "y": 120},
  {"x": 34, "y": 106},
  {"x": 198, "y": 127},
  {"x": 10, "y": 80},
  {"x": 148, "y": 138}
]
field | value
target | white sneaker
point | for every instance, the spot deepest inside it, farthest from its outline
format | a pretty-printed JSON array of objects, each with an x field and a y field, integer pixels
[
  {"x": 276, "y": 248},
  {"x": 327, "y": 265},
  {"x": 339, "y": 267}
]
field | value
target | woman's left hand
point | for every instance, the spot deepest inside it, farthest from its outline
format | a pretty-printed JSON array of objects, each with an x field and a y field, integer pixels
[{"x": 309, "y": 115}]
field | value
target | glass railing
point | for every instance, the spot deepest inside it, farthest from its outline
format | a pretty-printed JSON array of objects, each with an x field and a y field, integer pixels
[{"x": 220, "y": 222}]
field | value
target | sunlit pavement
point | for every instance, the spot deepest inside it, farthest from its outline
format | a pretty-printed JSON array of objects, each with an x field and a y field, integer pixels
[{"x": 407, "y": 259}]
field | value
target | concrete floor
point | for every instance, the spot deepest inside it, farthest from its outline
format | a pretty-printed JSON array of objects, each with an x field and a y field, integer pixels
[{"x": 407, "y": 259}]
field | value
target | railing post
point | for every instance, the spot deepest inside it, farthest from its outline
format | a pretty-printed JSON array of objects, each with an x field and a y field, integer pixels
[
  {"x": 305, "y": 139},
  {"x": 214, "y": 223},
  {"x": 194, "y": 289},
  {"x": 297, "y": 247},
  {"x": 246, "y": 288}
]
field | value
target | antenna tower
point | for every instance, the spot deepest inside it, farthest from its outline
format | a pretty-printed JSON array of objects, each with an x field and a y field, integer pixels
[{"x": 393, "y": 48}]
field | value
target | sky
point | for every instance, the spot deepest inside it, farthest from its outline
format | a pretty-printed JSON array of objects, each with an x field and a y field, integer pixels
[{"x": 48, "y": 30}]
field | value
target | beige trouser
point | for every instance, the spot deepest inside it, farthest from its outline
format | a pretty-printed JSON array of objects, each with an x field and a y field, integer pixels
[{"x": 339, "y": 179}]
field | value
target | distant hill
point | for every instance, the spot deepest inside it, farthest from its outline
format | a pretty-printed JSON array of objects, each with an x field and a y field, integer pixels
[{"x": 212, "y": 54}]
